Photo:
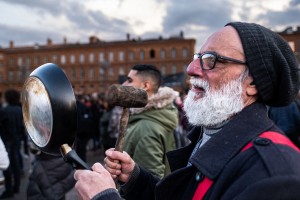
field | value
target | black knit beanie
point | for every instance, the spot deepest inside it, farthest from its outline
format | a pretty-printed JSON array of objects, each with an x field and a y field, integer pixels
[{"x": 271, "y": 63}]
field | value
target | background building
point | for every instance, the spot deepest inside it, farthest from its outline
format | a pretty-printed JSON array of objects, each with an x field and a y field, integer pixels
[
  {"x": 93, "y": 66},
  {"x": 293, "y": 38}
]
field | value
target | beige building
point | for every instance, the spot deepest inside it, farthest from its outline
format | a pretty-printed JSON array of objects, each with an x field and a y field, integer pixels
[{"x": 93, "y": 66}]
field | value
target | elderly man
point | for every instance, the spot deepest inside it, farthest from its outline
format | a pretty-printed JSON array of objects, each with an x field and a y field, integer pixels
[{"x": 236, "y": 151}]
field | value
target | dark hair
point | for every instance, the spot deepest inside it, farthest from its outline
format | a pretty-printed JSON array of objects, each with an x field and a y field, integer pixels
[
  {"x": 150, "y": 71},
  {"x": 12, "y": 97}
]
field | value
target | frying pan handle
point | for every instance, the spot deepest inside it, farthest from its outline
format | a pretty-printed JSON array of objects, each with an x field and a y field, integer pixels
[{"x": 70, "y": 156}]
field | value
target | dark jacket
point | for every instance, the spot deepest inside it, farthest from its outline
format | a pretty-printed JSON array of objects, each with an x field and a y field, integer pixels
[
  {"x": 265, "y": 171},
  {"x": 287, "y": 118},
  {"x": 51, "y": 178},
  {"x": 11, "y": 125}
]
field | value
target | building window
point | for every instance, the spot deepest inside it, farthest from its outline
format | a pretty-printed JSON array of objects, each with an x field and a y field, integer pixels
[
  {"x": 152, "y": 53},
  {"x": 92, "y": 73},
  {"x": 46, "y": 59},
  {"x": 173, "y": 53},
  {"x": 27, "y": 61},
  {"x": 121, "y": 71},
  {"x": 101, "y": 57},
  {"x": 36, "y": 60},
  {"x": 111, "y": 71},
  {"x": 81, "y": 58},
  {"x": 131, "y": 55},
  {"x": 73, "y": 73},
  {"x": 20, "y": 61},
  {"x": 91, "y": 58},
  {"x": 11, "y": 62},
  {"x": 292, "y": 45},
  {"x": 20, "y": 75},
  {"x": 184, "y": 52},
  {"x": 54, "y": 58},
  {"x": 101, "y": 71},
  {"x": 63, "y": 59},
  {"x": 111, "y": 56},
  {"x": 72, "y": 59},
  {"x": 163, "y": 54},
  {"x": 82, "y": 74},
  {"x": 174, "y": 69},
  {"x": 10, "y": 75},
  {"x": 121, "y": 56},
  {"x": 142, "y": 55}
]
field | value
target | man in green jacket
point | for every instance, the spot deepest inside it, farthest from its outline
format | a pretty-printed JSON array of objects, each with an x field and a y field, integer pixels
[{"x": 150, "y": 129}]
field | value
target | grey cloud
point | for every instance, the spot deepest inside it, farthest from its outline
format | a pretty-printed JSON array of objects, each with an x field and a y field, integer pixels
[
  {"x": 294, "y": 3},
  {"x": 24, "y": 36},
  {"x": 207, "y": 16},
  {"x": 210, "y": 14},
  {"x": 289, "y": 17},
  {"x": 83, "y": 20},
  {"x": 55, "y": 7}
]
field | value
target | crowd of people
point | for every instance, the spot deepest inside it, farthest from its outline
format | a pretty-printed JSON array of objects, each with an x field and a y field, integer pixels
[{"x": 98, "y": 129}]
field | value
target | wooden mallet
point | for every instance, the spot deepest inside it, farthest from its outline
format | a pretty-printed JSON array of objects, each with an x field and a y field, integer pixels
[{"x": 126, "y": 97}]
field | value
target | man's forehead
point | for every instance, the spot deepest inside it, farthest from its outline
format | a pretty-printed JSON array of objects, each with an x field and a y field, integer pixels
[
  {"x": 226, "y": 39},
  {"x": 132, "y": 72}
]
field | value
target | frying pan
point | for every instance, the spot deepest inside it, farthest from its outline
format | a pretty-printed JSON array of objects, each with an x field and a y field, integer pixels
[{"x": 50, "y": 113}]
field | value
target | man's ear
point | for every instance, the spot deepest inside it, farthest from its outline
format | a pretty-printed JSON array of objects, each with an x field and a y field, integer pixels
[
  {"x": 251, "y": 89},
  {"x": 147, "y": 86}
]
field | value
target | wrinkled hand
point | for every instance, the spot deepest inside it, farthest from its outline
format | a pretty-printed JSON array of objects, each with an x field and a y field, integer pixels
[
  {"x": 119, "y": 164},
  {"x": 89, "y": 183}
]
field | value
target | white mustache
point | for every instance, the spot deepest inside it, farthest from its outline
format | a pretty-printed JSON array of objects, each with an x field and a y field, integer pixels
[{"x": 199, "y": 83}]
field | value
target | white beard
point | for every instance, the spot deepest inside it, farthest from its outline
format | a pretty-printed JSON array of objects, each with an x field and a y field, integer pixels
[{"x": 214, "y": 107}]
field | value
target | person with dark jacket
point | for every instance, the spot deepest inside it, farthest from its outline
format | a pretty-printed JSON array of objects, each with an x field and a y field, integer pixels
[
  {"x": 83, "y": 133},
  {"x": 51, "y": 178},
  {"x": 150, "y": 131},
  {"x": 11, "y": 130},
  {"x": 287, "y": 118},
  {"x": 236, "y": 150}
]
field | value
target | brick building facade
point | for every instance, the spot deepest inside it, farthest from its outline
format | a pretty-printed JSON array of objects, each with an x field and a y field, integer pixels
[{"x": 93, "y": 66}]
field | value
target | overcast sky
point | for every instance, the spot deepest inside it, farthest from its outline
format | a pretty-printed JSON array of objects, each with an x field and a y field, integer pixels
[{"x": 27, "y": 22}]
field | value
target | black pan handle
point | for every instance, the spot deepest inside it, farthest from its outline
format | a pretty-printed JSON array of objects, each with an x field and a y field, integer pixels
[{"x": 70, "y": 156}]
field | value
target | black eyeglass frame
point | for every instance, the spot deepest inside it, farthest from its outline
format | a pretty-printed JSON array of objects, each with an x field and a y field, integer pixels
[{"x": 218, "y": 57}]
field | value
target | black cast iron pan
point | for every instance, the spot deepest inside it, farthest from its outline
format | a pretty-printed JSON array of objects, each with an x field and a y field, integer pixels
[{"x": 50, "y": 112}]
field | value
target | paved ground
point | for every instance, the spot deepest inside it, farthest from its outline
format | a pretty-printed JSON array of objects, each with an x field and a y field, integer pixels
[{"x": 92, "y": 157}]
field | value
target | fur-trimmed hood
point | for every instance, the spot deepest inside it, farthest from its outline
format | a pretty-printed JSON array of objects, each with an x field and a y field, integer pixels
[{"x": 162, "y": 98}]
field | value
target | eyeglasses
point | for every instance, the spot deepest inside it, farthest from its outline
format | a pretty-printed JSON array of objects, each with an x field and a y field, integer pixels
[{"x": 209, "y": 59}]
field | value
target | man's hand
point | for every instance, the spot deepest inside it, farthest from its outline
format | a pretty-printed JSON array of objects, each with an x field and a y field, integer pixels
[
  {"x": 119, "y": 164},
  {"x": 89, "y": 183}
]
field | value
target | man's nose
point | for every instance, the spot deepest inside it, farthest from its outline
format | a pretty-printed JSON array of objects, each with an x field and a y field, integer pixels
[{"x": 194, "y": 68}]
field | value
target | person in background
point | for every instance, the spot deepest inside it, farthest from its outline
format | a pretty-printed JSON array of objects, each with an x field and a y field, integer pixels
[
  {"x": 97, "y": 111},
  {"x": 11, "y": 130},
  {"x": 4, "y": 160},
  {"x": 51, "y": 177},
  {"x": 287, "y": 118},
  {"x": 150, "y": 129},
  {"x": 83, "y": 133},
  {"x": 236, "y": 151}
]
